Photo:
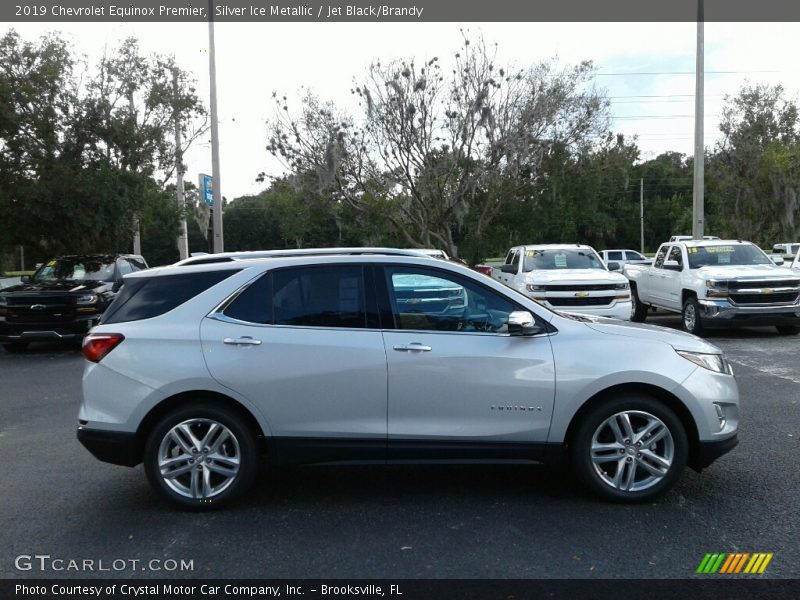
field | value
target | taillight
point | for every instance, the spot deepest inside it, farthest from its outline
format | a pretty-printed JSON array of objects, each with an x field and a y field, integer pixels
[{"x": 97, "y": 345}]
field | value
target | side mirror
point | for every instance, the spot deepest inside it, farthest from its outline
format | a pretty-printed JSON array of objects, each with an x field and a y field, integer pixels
[
  {"x": 509, "y": 269},
  {"x": 672, "y": 265},
  {"x": 25, "y": 279},
  {"x": 614, "y": 266},
  {"x": 521, "y": 322},
  {"x": 778, "y": 260},
  {"x": 117, "y": 285}
]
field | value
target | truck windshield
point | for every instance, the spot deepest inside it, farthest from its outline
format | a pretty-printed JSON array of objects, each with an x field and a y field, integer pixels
[
  {"x": 76, "y": 269},
  {"x": 569, "y": 258},
  {"x": 725, "y": 256}
]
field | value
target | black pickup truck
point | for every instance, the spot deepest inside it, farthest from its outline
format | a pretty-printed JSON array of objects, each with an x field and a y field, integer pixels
[{"x": 63, "y": 299}]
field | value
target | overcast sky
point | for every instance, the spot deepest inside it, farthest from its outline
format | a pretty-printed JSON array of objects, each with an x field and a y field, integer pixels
[{"x": 642, "y": 66}]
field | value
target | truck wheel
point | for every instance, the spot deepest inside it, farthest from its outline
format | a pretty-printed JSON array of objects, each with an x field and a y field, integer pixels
[
  {"x": 638, "y": 310},
  {"x": 630, "y": 448},
  {"x": 201, "y": 456},
  {"x": 691, "y": 317},
  {"x": 788, "y": 329}
]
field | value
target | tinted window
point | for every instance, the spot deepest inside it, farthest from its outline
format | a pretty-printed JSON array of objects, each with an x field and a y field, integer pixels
[
  {"x": 515, "y": 259},
  {"x": 137, "y": 263},
  {"x": 435, "y": 301},
  {"x": 320, "y": 297},
  {"x": 614, "y": 255},
  {"x": 147, "y": 297},
  {"x": 254, "y": 304},
  {"x": 634, "y": 255}
]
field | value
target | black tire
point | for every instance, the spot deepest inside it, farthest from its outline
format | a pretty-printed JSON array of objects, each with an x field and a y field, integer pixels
[
  {"x": 638, "y": 310},
  {"x": 637, "y": 405},
  {"x": 15, "y": 347},
  {"x": 788, "y": 329},
  {"x": 243, "y": 442},
  {"x": 692, "y": 322}
]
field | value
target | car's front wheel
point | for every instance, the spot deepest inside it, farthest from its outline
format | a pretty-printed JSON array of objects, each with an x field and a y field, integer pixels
[
  {"x": 629, "y": 449},
  {"x": 692, "y": 321},
  {"x": 638, "y": 310},
  {"x": 201, "y": 456}
]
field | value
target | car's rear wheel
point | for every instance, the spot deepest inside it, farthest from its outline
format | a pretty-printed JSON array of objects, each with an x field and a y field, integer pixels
[
  {"x": 638, "y": 310},
  {"x": 692, "y": 321},
  {"x": 788, "y": 329},
  {"x": 201, "y": 456},
  {"x": 630, "y": 449},
  {"x": 15, "y": 347}
]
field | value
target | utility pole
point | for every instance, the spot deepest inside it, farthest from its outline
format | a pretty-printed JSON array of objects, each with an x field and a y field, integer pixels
[
  {"x": 212, "y": 71},
  {"x": 137, "y": 238},
  {"x": 21, "y": 257},
  {"x": 698, "y": 204},
  {"x": 641, "y": 212},
  {"x": 183, "y": 236}
]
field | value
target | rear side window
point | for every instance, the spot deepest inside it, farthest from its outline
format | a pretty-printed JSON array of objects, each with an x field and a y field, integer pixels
[
  {"x": 319, "y": 297},
  {"x": 254, "y": 304},
  {"x": 615, "y": 256},
  {"x": 148, "y": 297}
]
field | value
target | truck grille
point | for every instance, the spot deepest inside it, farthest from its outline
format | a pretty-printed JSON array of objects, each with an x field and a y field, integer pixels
[
  {"x": 761, "y": 283},
  {"x": 588, "y": 301},
  {"x": 776, "y": 298},
  {"x": 592, "y": 287}
]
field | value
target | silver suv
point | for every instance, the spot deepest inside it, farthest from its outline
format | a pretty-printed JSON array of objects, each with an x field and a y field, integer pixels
[{"x": 206, "y": 372}]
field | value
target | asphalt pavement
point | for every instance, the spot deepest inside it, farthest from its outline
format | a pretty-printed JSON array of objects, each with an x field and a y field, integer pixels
[{"x": 484, "y": 521}]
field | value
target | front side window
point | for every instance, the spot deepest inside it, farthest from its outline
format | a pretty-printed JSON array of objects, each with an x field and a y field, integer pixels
[
  {"x": 319, "y": 297},
  {"x": 662, "y": 254},
  {"x": 675, "y": 254},
  {"x": 435, "y": 301},
  {"x": 566, "y": 258},
  {"x": 634, "y": 255}
]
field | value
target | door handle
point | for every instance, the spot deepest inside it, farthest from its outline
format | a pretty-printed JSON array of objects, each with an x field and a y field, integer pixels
[
  {"x": 413, "y": 347},
  {"x": 242, "y": 341}
]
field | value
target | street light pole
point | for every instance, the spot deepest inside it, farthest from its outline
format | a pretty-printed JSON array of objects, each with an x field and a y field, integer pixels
[
  {"x": 698, "y": 205},
  {"x": 212, "y": 71},
  {"x": 183, "y": 235}
]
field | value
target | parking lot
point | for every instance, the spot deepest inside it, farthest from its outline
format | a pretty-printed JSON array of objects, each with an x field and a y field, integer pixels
[{"x": 403, "y": 521}]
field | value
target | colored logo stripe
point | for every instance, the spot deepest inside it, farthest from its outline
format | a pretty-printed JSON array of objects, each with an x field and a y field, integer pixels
[{"x": 730, "y": 563}]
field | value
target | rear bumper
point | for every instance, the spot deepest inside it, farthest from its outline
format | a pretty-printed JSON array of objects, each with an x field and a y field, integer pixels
[
  {"x": 708, "y": 452},
  {"x": 115, "y": 447}
]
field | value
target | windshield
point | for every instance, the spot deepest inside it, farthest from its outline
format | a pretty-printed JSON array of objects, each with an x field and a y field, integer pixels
[
  {"x": 726, "y": 256},
  {"x": 568, "y": 258},
  {"x": 76, "y": 269}
]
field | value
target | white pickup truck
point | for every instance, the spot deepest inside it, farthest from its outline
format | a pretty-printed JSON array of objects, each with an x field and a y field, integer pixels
[
  {"x": 567, "y": 277},
  {"x": 717, "y": 283}
]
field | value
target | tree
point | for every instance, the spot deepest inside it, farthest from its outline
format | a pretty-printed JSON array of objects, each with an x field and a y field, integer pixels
[
  {"x": 437, "y": 151},
  {"x": 757, "y": 164}
]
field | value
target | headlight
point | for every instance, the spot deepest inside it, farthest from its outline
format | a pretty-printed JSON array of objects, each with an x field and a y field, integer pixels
[
  {"x": 86, "y": 299},
  {"x": 534, "y": 288},
  {"x": 716, "y": 289},
  {"x": 712, "y": 362},
  {"x": 622, "y": 286},
  {"x": 3, "y": 300}
]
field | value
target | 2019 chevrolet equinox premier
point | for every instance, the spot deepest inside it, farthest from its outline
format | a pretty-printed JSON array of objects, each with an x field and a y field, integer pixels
[{"x": 206, "y": 371}]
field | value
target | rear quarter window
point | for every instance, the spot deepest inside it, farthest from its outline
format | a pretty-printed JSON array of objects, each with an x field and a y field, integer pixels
[{"x": 148, "y": 297}]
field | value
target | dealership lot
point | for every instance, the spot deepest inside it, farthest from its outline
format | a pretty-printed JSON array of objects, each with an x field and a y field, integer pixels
[{"x": 402, "y": 521}]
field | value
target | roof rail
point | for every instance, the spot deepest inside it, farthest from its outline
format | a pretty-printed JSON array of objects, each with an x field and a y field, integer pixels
[{"x": 255, "y": 254}]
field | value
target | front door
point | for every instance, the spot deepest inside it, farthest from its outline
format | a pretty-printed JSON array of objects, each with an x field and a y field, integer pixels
[{"x": 459, "y": 384}]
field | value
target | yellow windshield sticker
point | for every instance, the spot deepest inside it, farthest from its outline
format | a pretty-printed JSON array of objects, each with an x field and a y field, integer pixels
[{"x": 52, "y": 263}]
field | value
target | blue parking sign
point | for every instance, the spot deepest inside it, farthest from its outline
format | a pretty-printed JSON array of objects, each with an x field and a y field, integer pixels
[{"x": 207, "y": 188}]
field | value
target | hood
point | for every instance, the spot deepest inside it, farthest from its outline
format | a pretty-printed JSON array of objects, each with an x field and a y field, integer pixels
[
  {"x": 745, "y": 271},
  {"x": 56, "y": 286},
  {"x": 680, "y": 340},
  {"x": 574, "y": 276}
]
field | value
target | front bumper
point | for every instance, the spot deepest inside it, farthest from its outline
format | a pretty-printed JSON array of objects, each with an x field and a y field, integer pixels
[
  {"x": 115, "y": 447},
  {"x": 723, "y": 312},
  {"x": 708, "y": 452},
  {"x": 74, "y": 329}
]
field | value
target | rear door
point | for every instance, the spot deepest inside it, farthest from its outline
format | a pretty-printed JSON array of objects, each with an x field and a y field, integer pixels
[
  {"x": 458, "y": 383},
  {"x": 303, "y": 344}
]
